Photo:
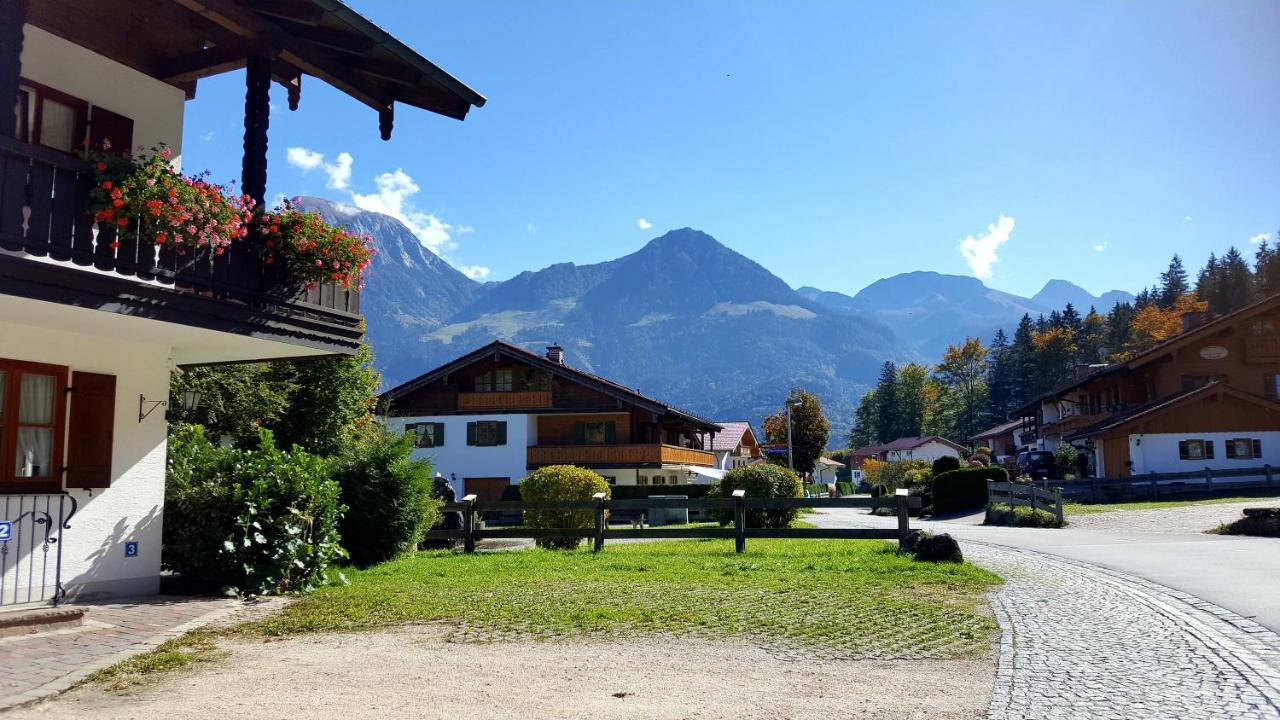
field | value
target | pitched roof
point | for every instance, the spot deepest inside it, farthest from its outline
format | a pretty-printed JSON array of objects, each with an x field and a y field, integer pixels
[
  {"x": 911, "y": 443},
  {"x": 730, "y": 435},
  {"x": 998, "y": 430},
  {"x": 1160, "y": 406},
  {"x": 829, "y": 461},
  {"x": 498, "y": 347},
  {"x": 1158, "y": 350}
]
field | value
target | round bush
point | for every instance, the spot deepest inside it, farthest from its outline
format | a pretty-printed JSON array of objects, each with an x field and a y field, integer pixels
[
  {"x": 937, "y": 548},
  {"x": 248, "y": 522},
  {"x": 760, "y": 481},
  {"x": 561, "y": 482},
  {"x": 945, "y": 463},
  {"x": 965, "y": 488},
  {"x": 387, "y": 494}
]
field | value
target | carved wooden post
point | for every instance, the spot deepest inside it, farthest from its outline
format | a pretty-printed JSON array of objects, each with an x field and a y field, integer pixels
[
  {"x": 257, "y": 116},
  {"x": 739, "y": 520},
  {"x": 12, "y": 14},
  {"x": 386, "y": 120},
  {"x": 599, "y": 498},
  {"x": 469, "y": 524},
  {"x": 904, "y": 517}
]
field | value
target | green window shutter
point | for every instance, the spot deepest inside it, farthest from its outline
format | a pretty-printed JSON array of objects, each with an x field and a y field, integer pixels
[
  {"x": 1257, "y": 449},
  {"x": 1231, "y": 449},
  {"x": 471, "y": 433},
  {"x": 1182, "y": 451},
  {"x": 579, "y": 433},
  {"x": 1208, "y": 449},
  {"x": 439, "y": 438},
  {"x": 502, "y": 433},
  {"x": 611, "y": 433}
]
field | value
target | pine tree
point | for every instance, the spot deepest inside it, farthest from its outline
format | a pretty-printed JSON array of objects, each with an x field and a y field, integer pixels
[
  {"x": 1119, "y": 330},
  {"x": 1173, "y": 284},
  {"x": 863, "y": 432},
  {"x": 1000, "y": 378},
  {"x": 887, "y": 402},
  {"x": 1266, "y": 271},
  {"x": 1233, "y": 286},
  {"x": 1091, "y": 339},
  {"x": 911, "y": 381},
  {"x": 1022, "y": 361},
  {"x": 1071, "y": 319}
]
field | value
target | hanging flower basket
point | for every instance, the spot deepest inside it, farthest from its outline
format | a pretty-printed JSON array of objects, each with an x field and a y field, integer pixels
[
  {"x": 144, "y": 194},
  {"x": 313, "y": 250}
]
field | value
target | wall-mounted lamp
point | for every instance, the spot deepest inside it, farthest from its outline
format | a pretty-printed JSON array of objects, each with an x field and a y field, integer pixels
[
  {"x": 190, "y": 400},
  {"x": 146, "y": 407}
]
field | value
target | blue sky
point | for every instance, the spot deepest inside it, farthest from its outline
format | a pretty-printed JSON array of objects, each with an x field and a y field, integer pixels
[{"x": 834, "y": 142}]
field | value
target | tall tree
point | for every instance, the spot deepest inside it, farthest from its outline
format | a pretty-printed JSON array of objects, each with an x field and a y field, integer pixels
[
  {"x": 1055, "y": 355},
  {"x": 810, "y": 429},
  {"x": 1119, "y": 330},
  {"x": 1022, "y": 358},
  {"x": 1154, "y": 324},
  {"x": 1000, "y": 378},
  {"x": 911, "y": 399},
  {"x": 887, "y": 402},
  {"x": 1091, "y": 340},
  {"x": 1173, "y": 284},
  {"x": 1234, "y": 285},
  {"x": 1266, "y": 270},
  {"x": 863, "y": 432},
  {"x": 964, "y": 370}
]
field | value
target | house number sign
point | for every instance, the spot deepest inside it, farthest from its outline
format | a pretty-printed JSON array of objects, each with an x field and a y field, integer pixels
[
  {"x": 1213, "y": 352},
  {"x": 6, "y": 531}
]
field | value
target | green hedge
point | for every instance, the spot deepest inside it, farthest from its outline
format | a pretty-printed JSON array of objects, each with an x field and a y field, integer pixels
[
  {"x": 640, "y": 492},
  {"x": 846, "y": 488},
  {"x": 946, "y": 463},
  {"x": 964, "y": 489},
  {"x": 760, "y": 481}
]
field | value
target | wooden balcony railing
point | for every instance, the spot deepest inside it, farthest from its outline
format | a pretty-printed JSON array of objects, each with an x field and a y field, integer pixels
[
  {"x": 1262, "y": 348},
  {"x": 504, "y": 400},
  {"x": 637, "y": 454},
  {"x": 44, "y": 211}
]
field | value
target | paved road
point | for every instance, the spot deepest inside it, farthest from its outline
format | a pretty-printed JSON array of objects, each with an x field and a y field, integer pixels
[{"x": 1241, "y": 574}]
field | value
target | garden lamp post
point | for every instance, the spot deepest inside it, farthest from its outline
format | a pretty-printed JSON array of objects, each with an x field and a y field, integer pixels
[{"x": 791, "y": 464}]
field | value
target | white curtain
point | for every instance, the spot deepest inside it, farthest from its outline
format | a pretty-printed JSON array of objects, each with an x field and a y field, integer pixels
[{"x": 35, "y": 444}]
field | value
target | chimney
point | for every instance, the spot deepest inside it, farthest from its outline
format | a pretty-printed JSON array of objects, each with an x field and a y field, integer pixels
[
  {"x": 555, "y": 354},
  {"x": 1192, "y": 320}
]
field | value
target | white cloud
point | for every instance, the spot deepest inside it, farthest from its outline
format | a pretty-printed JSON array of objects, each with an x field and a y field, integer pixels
[
  {"x": 207, "y": 136},
  {"x": 475, "y": 272},
  {"x": 304, "y": 159},
  {"x": 339, "y": 172},
  {"x": 643, "y": 224},
  {"x": 1259, "y": 238},
  {"x": 464, "y": 230},
  {"x": 1186, "y": 219},
  {"x": 1102, "y": 246},
  {"x": 981, "y": 252},
  {"x": 533, "y": 229},
  {"x": 392, "y": 198}
]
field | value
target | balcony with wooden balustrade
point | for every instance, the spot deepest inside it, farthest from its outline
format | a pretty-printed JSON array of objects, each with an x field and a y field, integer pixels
[
  {"x": 618, "y": 455},
  {"x": 505, "y": 400},
  {"x": 1262, "y": 348}
]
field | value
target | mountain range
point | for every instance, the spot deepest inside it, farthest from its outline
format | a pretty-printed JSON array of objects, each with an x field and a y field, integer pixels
[{"x": 684, "y": 318}]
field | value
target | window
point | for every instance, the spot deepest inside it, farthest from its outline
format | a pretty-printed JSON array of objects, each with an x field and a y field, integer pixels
[
  {"x": 642, "y": 480},
  {"x": 1195, "y": 450},
  {"x": 1263, "y": 327},
  {"x": 529, "y": 379},
  {"x": 611, "y": 479},
  {"x": 1244, "y": 449},
  {"x": 495, "y": 381},
  {"x": 1271, "y": 386},
  {"x": 52, "y": 118},
  {"x": 31, "y": 423},
  {"x": 428, "y": 435},
  {"x": 486, "y": 433},
  {"x": 659, "y": 479},
  {"x": 595, "y": 433}
]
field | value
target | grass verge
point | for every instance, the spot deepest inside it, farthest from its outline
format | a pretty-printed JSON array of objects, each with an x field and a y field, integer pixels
[
  {"x": 194, "y": 648},
  {"x": 1072, "y": 508}
]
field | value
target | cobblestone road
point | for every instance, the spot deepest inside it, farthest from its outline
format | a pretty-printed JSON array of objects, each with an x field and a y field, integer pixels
[
  {"x": 1083, "y": 642},
  {"x": 1189, "y": 519}
]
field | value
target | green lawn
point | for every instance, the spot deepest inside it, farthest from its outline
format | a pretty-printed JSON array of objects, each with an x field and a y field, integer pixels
[
  {"x": 1087, "y": 509},
  {"x": 851, "y": 598}
]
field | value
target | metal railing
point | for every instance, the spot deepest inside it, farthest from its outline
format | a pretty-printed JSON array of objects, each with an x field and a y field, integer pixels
[
  {"x": 31, "y": 531},
  {"x": 472, "y": 531}
]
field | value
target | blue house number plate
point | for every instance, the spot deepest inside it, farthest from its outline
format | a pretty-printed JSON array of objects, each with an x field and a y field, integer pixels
[
  {"x": 131, "y": 549},
  {"x": 6, "y": 531}
]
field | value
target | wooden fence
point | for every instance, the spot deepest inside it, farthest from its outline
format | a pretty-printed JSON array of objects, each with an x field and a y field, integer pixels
[
  {"x": 1015, "y": 494},
  {"x": 471, "y": 530},
  {"x": 1153, "y": 486}
]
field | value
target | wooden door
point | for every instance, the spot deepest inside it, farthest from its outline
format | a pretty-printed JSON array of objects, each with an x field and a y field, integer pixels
[{"x": 485, "y": 489}]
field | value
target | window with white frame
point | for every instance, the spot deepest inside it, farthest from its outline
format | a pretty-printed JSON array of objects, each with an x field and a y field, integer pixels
[{"x": 1244, "y": 449}]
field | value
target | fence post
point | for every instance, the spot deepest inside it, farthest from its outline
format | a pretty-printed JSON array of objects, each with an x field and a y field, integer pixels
[
  {"x": 904, "y": 521},
  {"x": 1058, "y": 509},
  {"x": 1208, "y": 477},
  {"x": 599, "y": 498},
  {"x": 739, "y": 521},
  {"x": 1155, "y": 489},
  {"x": 1270, "y": 478},
  {"x": 1093, "y": 490},
  {"x": 469, "y": 524}
]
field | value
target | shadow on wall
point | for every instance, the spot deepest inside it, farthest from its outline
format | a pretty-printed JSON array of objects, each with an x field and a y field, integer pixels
[{"x": 108, "y": 572}]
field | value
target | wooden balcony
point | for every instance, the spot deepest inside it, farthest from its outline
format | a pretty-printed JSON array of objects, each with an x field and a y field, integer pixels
[
  {"x": 1262, "y": 348},
  {"x": 618, "y": 455},
  {"x": 504, "y": 400},
  {"x": 44, "y": 213}
]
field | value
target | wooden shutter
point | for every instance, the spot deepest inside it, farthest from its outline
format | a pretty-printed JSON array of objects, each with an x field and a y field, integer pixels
[
  {"x": 501, "y": 433},
  {"x": 1269, "y": 383},
  {"x": 471, "y": 433},
  {"x": 611, "y": 433},
  {"x": 1183, "y": 454},
  {"x": 106, "y": 125},
  {"x": 579, "y": 433},
  {"x": 1257, "y": 449},
  {"x": 1208, "y": 449},
  {"x": 1231, "y": 449},
  {"x": 90, "y": 430},
  {"x": 439, "y": 435}
]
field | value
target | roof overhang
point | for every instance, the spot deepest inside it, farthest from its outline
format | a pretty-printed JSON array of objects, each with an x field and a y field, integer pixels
[{"x": 1112, "y": 425}]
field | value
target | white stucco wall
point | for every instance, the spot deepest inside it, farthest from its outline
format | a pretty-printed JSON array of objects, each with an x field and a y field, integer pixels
[
  {"x": 929, "y": 451},
  {"x": 131, "y": 509},
  {"x": 155, "y": 107},
  {"x": 1158, "y": 453},
  {"x": 458, "y": 460}
]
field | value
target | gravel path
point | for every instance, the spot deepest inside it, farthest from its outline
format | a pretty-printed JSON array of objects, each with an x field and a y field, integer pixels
[
  {"x": 1082, "y": 642},
  {"x": 1190, "y": 518},
  {"x": 415, "y": 671}
]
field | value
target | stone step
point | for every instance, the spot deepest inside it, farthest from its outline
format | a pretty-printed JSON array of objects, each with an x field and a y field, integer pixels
[{"x": 26, "y": 622}]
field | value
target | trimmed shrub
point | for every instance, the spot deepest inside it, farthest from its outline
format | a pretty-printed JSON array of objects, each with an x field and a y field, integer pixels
[
  {"x": 1023, "y": 516},
  {"x": 387, "y": 494},
  {"x": 964, "y": 489},
  {"x": 760, "y": 481},
  {"x": 561, "y": 482},
  {"x": 248, "y": 521},
  {"x": 846, "y": 488},
  {"x": 937, "y": 548},
  {"x": 946, "y": 463},
  {"x": 1262, "y": 522}
]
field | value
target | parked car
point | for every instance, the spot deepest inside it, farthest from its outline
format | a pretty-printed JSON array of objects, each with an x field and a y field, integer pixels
[{"x": 1039, "y": 464}]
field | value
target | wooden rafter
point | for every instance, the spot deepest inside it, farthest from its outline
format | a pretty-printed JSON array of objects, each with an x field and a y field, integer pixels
[{"x": 205, "y": 63}]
